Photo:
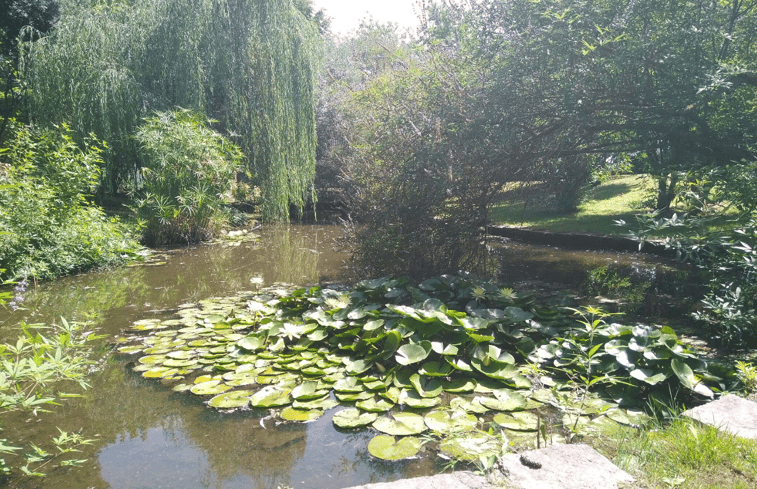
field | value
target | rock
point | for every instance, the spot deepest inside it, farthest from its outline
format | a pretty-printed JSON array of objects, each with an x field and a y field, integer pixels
[
  {"x": 562, "y": 467},
  {"x": 729, "y": 413},
  {"x": 455, "y": 480}
]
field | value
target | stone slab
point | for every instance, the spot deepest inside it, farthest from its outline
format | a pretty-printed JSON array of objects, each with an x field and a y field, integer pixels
[
  {"x": 562, "y": 467},
  {"x": 455, "y": 480},
  {"x": 729, "y": 413}
]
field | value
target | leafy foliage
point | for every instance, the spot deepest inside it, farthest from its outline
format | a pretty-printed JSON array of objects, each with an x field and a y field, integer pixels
[
  {"x": 387, "y": 344},
  {"x": 250, "y": 64},
  {"x": 189, "y": 171},
  {"x": 47, "y": 227},
  {"x": 31, "y": 370}
]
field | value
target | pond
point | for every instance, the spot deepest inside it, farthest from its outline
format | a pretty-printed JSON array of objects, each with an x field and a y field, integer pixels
[{"x": 146, "y": 435}]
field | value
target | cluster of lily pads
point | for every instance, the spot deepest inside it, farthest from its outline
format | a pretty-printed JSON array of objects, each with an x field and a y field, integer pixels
[{"x": 449, "y": 356}]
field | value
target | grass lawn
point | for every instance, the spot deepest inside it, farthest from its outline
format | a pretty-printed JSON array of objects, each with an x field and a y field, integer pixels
[
  {"x": 684, "y": 454},
  {"x": 618, "y": 198}
]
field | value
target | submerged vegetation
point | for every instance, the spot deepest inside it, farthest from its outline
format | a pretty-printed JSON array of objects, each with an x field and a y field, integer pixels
[{"x": 451, "y": 356}]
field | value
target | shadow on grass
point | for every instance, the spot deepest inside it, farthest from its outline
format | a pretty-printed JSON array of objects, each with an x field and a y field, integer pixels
[{"x": 609, "y": 191}]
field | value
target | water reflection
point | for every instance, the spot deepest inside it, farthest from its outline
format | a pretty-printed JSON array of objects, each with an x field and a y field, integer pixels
[{"x": 148, "y": 436}]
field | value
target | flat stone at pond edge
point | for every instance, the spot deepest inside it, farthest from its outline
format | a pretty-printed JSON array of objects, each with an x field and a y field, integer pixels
[
  {"x": 561, "y": 467},
  {"x": 729, "y": 413},
  {"x": 456, "y": 480},
  {"x": 555, "y": 467}
]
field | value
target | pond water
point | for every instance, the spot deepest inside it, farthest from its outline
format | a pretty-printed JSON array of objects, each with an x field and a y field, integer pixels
[{"x": 147, "y": 436}]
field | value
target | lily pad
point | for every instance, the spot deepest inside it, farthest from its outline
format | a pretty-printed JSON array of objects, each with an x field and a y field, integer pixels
[
  {"x": 471, "y": 446},
  {"x": 450, "y": 421},
  {"x": 270, "y": 396},
  {"x": 374, "y": 405},
  {"x": 518, "y": 421},
  {"x": 294, "y": 414},
  {"x": 400, "y": 424},
  {"x": 414, "y": 400},
  {"x": 231, "y": 400},
  {"x": 386, "y": 447},
  {"x": 323, "y": 404},
  {"x": 353, "y": 418},
  {"x": 209, "y": 388}
]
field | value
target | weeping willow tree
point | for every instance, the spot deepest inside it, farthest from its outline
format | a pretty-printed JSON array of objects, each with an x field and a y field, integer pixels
[
  {"x": 251, "y": 64},
  {"x": 268, "y": 97}
]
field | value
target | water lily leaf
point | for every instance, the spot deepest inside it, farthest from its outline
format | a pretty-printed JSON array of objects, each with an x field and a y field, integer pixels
[
  {"x": 307, "y": 391},
  {"x": 648, "y": 376},
  {"x": 131, "y": 349},
  {"x": 472, "y": 446},
  {"x": 683, "y": 372},
  {"x": 435, "y": 369},
  {"x": 473, "y": 323},
  {"x": 450, "y": 421},
  {"x": 230, "y": 400},
  {"x": 495, "y": 370},
  {"x": 353, "y": 396},
  {"x": 443, "y": 349},
  {"x": 159, "y": 372},
  {"x": 504, "y": 403},
  {"x": 251, "y": 343},
  {"x": 374, "y": 405},
  {"x": 353, "y": 418},
  {"x": 182, "y": 354},
  {"x": 459, "y": 364},
  {"x": 517, "y": 314},
  {"x": 323, "y": 404},
  {"x": 460, "y": 385},
  {"x": 180, "y": 363},
  {"x": 359, "y": 366},
  {"x": 518, "y": 421},
  {"x": 414, "y": 400},
  {"x": 386, "y": 447},
  {"x": 209, "y": 388},
  {"x": 152, "y": 359},
  {"x": 479, "y": 338},
  {"x": 393, "y": 340},
  {"x": 349, "y": 384},
  {"x": 400, "y": 424},
  {"x": 294, "y": 414},
  {"x": 391, "y": 394},
  {"x": 271, "y": 396},
  {"x": 627, "y": 417},
  {"x": 426, "y": 387},
  {"x": 412, "y": 353},
  {"x": 473, "y": 406}
]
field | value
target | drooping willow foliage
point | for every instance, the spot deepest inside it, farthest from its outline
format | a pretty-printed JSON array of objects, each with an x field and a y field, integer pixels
[{"x": 250, "y": 64}]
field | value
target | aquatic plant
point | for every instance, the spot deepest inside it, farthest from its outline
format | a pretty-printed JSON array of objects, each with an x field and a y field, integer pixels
[{"x": 441, "y": 356}]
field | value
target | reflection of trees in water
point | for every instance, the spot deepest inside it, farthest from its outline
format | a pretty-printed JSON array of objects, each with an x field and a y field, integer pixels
[
  {"x": 80, "y": 298},
  {"x": 292, "y": 256}
]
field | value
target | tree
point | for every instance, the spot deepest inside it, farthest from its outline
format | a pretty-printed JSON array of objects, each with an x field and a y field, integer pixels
[{"x": 250, "y": 64}]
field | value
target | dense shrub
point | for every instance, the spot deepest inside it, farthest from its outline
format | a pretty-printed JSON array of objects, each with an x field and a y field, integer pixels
[
  {"x": 189, "y": 172},
  {"x": 47, "y": 226}
]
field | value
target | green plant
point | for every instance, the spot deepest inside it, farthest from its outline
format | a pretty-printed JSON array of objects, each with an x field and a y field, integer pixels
[
  {"x": 48, "y": 227},
  {"x": 683, "y": 453},
  {"x": 31, "y": 372},
  {"x": 747, "y": 373},
  {"x": 189, "y": 172},
  {"x": 387, "y": 344}
]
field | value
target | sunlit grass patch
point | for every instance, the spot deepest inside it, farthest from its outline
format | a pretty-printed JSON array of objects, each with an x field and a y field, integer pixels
[
  {"x": 687, "y": 454},
  {"x": 621, "y": 197}
]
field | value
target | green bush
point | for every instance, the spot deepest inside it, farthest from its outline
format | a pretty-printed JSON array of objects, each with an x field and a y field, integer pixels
[
  {"x": 189, "y": 171},
  {"x": 47, "y": 226}
]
